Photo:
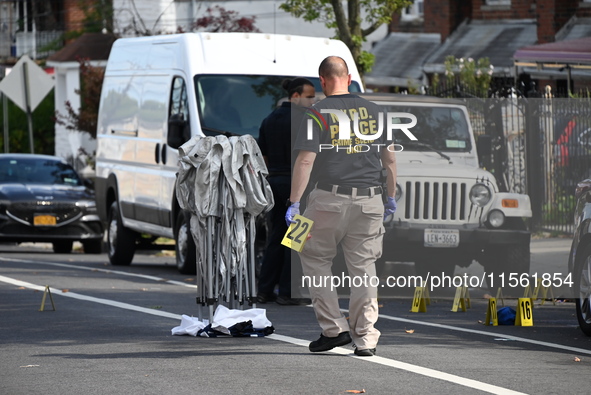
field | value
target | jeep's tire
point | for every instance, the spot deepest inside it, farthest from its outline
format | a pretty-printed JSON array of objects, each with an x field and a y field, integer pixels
[
  {"x": 500, "y": 263},
  {"x": 62, "y": 246},
  {"x": 120, "y": 240},
  {"x": 186, "y": 254},
  {"x": 92, "y": 246},
  {"x": 582, "y": 290}
]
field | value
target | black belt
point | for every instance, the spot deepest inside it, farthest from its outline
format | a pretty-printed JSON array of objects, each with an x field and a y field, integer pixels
[{"x": 344, "y": 190}]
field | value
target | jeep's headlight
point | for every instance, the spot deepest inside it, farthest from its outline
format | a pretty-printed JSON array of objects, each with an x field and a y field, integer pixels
[
  {"x": 496, "y": 218},
  {"x": 398, "y": 192},
  {"x": 480, "y": 195}
]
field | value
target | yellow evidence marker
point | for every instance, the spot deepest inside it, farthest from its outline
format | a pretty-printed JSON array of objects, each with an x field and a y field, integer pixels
[
  {"x": 491, "y": 313},
  {"x": 525, "y": 314},
  {"x": 461, "y": 299},
  {"x": 297, "y": 233},
  {"x": 45, "y": 293},
  {"x": 418, "y": 302}
]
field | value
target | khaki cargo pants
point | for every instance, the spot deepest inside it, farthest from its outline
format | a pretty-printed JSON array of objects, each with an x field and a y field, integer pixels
[{"x": 357, "y": 223}]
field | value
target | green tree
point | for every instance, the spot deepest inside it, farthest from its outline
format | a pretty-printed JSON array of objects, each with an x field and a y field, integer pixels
[
  {"x": 18, "y": 127},
  {"x": 353, "y": 25},
  {"x": 472, "y": 75}
]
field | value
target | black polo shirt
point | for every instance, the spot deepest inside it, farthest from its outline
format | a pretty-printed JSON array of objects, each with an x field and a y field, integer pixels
[{"x": 350, "y": 162}]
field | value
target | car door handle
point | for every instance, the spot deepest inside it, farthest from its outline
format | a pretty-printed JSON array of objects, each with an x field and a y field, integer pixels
[
  {"x": 157, "y": 153},
  {"x": 163, "y": 154}
]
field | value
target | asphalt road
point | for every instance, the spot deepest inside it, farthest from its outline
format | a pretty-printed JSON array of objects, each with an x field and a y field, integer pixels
[{"x": 111, "y": 333}]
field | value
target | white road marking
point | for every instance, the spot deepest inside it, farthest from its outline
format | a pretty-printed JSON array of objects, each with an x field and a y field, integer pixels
[
  {"x": 74, "y": 295},
  {"x": 496, "y": 335},
  {"x": 287, "y": 339},
  {"x": 382, "y": 316},
  {"x": 408, "y": 367},
  {"x": 94, "y": 269}
]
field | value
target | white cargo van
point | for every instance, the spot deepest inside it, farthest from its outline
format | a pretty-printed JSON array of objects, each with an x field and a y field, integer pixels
[{"x": 158, "y": 92}]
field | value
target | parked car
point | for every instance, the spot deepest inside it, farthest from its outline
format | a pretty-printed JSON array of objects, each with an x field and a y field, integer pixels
[
  {"x": 43, "y": 199},
  {"x": 579, "y": 262}
]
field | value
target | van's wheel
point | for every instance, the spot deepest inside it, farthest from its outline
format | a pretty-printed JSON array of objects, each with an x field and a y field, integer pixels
[
  {"x": 582, "y": 278},
  {"x": 62, "y": 246},
  {"x": 120, "y": 240},
  {"x": 92, "y": 246},
  {"x": 186, "y": 254}
]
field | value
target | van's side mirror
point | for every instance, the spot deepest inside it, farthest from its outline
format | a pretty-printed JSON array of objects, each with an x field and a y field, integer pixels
[
  {"x": 484, "y": 148},
  {"x": 178, "y": 131}
]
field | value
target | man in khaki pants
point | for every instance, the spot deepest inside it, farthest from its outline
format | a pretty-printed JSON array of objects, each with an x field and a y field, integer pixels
[{"x": 346, "y": 206}]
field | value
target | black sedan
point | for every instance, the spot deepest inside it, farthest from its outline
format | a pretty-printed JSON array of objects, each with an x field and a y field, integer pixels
[{"x": 42, "y": 199}]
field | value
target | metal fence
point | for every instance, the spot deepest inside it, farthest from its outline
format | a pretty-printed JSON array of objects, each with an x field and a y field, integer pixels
[{"x": 541, "y": 146}]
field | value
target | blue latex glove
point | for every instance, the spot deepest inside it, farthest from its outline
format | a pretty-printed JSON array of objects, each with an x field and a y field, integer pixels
[
  {"x": 389, "y": 207},
  {"x": 292, "y": 211}
]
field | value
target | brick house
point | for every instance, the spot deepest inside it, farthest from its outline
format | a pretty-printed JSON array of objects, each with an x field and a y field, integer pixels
[{"x": 423, "y": 36}]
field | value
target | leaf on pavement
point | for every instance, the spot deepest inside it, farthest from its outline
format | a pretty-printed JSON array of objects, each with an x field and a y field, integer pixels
[
  {"x": 577, "y": 359},
  {"x": 355, "y": 391},
  {"x": 410, "y": 331},
  {"x": 65, "y": 290}
]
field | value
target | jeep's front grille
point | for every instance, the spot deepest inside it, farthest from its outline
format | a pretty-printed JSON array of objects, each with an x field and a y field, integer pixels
[{"x": 436, "y": 201}]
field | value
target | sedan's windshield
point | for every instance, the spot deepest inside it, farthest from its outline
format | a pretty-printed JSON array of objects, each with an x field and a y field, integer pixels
[
  {"x": 437, "y": 128},
  {"x": 37, "y": 171},
  {"x": 238, "y": 103}
]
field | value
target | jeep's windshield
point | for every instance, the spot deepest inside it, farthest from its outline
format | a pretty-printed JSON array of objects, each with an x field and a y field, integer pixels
[
  {"x": 239, "y": 103},
  {"x": 438, "y": 128}
]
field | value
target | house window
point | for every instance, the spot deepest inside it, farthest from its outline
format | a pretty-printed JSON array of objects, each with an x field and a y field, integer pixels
[{"x": 413, "y": 11}]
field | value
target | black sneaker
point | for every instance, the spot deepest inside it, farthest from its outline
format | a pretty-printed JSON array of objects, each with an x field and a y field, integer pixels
[
  {"x": 286, "y": 301},
  {"x": 328, "y": 343},
  {"x": 366, "y": 352}
]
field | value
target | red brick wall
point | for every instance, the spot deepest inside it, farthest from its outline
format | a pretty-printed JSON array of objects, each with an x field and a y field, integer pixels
[
  {"x": 552, "y": 16},
  {"x": 444, "y": 16},
  {"x": 73, "y": 15}
]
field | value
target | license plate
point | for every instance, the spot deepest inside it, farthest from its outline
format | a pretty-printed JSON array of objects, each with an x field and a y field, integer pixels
[
  {"x": 442, "y": 237},
  {"x": 44, "y": 220}
]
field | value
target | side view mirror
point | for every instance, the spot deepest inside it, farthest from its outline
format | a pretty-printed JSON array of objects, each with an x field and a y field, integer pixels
[{"x": 178, "y": 131}]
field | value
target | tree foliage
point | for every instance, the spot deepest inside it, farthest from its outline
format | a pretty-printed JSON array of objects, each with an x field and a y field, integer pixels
[
  {"x": 353, "y": 24},
  {"x": 18, "y": 126},
  {"x": 473, "y": 75},
  {"x": 218, "y": 19}
]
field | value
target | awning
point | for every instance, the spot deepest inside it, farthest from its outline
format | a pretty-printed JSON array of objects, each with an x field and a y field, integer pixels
[
  {"x": 496, "y": 40},
  {"x": 573, "y": 52},
  {"x": 562, "y": 59},
  {"x": 400, "y": 57}
]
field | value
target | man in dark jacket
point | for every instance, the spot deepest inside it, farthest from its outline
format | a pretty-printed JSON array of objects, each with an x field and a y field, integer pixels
[{"x": 276, "y": 143}]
